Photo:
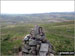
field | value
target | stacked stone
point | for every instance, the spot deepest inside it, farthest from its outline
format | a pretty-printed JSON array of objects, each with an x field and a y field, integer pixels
[{"x": 36, "y": 46}]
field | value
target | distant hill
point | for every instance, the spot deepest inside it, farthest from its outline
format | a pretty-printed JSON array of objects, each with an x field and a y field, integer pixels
[{"x": 40, "y": 17}]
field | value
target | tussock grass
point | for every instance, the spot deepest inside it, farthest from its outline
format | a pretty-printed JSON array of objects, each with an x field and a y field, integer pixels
[{"x": 60, "y": 35}]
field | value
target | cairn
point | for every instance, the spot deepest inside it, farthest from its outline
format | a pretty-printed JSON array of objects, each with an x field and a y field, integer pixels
[{"x": 36, "y": 44}]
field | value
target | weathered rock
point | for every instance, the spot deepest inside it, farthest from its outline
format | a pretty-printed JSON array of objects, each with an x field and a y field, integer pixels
[
  {"x": 37, "y": 45},
  {"x": 32, "y": 42},
  {"x": 25, "y": 50},
  {"x": 27, "y": 46},
  {"x": 44, "y": 47},
  {"x": 42, "y": 53},
  {"x": 32, "y": 50}
]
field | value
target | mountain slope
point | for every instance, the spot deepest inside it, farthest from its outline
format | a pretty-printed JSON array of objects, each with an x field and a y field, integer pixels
[{"x": 41, "y": 17}]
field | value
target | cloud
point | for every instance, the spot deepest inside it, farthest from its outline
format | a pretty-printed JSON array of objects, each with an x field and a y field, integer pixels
[{"x": 20, "y": 7}]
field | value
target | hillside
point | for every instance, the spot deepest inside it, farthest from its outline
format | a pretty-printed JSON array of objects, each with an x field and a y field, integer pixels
[
  {"x": 60, "y": 35},
  {"x": 58, "y": 27},
  {"x": 41, "y": 17}
]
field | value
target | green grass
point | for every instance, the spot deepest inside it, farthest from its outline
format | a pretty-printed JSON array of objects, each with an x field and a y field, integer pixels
[{"x": 60, "y": 35}]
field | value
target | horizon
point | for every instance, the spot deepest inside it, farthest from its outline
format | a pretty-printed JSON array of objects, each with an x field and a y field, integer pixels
[
  {"x": 40, "y": 13},
  {"x": 36, "y": 7}
]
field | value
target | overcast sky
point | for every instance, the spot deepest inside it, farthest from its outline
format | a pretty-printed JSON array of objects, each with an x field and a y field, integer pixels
[{"x": 27, "y": 7}]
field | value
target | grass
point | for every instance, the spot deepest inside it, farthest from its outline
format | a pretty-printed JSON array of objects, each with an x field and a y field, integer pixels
[{"x": 60, "y": 35}]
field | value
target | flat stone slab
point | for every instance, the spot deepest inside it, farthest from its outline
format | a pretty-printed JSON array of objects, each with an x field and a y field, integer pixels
[
  {"x": 42, "y": 54},
  {"x": 44, "y": 47}
]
